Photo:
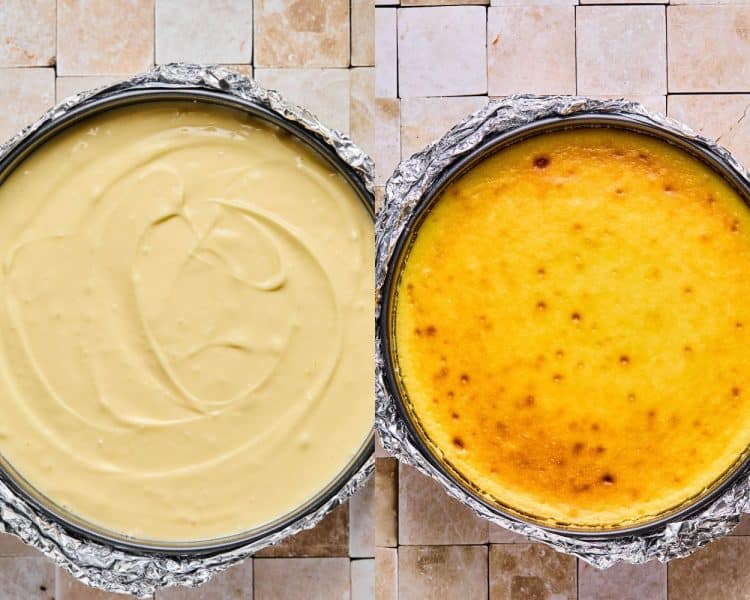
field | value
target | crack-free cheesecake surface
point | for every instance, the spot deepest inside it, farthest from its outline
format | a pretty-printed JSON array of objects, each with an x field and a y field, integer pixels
[
  {"x": 185, "y": 322},
  {"x": 573, "y": 327}
]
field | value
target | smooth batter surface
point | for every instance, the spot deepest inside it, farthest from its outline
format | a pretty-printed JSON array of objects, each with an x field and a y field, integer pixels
[
  {"x": 186, "y": 322},
  {"x": 573, "y": 327}
]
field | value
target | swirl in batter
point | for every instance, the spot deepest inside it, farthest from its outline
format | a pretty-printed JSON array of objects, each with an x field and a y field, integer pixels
[{"x": 186, "y": 321}]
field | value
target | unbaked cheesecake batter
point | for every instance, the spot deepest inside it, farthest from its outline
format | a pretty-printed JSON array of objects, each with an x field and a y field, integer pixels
[
  {"x": 186, "y": 322},
  {"x": 573, "y": 327}
]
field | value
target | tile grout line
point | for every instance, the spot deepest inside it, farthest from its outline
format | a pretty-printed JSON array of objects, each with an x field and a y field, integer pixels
[
  {"x": 714, "y": 93},
  {"x": 666, "y": 57},
  {"x": 398, "y": 83},
  {"x": 28, "y": 67},
  {"x": 575, "y": 44},
  {"x": 398, "y": 478},
  {"x": 489, "y": 576},
  {"x": 57, "y": 37},
  {"x": 400, "y": 158},
  {"x": 616, "y": 4},
  {"x": 57, "y": 42},
  {"x": 487, "y": 52}
]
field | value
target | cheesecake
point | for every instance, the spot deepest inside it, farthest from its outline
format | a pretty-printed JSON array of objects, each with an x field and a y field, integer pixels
[{"x": 572, "y": 328}]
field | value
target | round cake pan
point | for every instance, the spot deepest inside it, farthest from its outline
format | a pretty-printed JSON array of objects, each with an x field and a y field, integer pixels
[
  {"x": 385, "y": 312},
  {"x": 361, "y": 462}
]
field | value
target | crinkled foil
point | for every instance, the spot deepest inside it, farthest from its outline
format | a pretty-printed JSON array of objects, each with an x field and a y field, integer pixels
[
  {"x": 404, "y": 191},
  {"x": 141, "y": 574}
]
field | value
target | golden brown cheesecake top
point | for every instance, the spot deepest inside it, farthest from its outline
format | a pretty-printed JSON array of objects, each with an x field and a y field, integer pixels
[{"x": 573, "y": 327}]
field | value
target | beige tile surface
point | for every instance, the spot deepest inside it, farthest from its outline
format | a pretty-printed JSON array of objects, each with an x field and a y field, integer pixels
[
  {"x": 330, "y": 537},
  {"x": 363, "y": 33},
  {"x": 29, "y": 92},
  {"x": 386, "y": 486},
  {"x": 424, "y": 120},
  {"x": 386, "y": 574},
  {"x": 716, "y": 571},
  {"x": 10, "y": 546},
  {"x": 362, "y": 522},
  {"x": 362, "y": 108},
  {"x": 27, "y": 579},
  {"x": 67, "y": 588},
  {"x": 428, "y": 64},
  {"x": 623, "y": 582},
  {"x": 236, "y": 583},
  {"x": 744, "y": 527},
  {"x": 709, "y": 48},
  {"x": 104, "y": 38},
  {"x": 324, "y": 92},
  {"x": 301, "y": 33},
  {"x": 204, "y": 32},
  {"x": 442, "y": 572},
  {"x": 531, "y": 571},
  {"x": 27, "y": 33},
  {"x": 387, "y": 142},
  {"x": 428, "y": 516},
  {"x": 363, "y": 579},
  {"x": 720, "y": 117},
  {"x": 723, "y": 576},
  {"x": 621, "y": 50},
  {"x": 531, "y": 49},
  {"x": 386, "y": 53},
  {"x": 295, "y": 578},
  {"x": 67, "y": 86}
]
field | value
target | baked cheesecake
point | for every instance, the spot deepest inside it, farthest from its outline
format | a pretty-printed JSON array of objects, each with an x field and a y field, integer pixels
[{"x": 572, "y": 328}]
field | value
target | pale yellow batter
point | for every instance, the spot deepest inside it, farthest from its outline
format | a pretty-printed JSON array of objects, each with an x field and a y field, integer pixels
[{"x": 186, "y": 309}]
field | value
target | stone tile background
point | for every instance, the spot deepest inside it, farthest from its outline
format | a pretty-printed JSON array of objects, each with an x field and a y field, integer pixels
[
  {"x": 320, "y": 54},
  {"x": 687, "y": 58}
]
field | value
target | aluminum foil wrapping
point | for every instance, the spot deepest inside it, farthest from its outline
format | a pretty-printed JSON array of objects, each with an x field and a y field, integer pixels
[
  {"x": 403, "y": 193},
  {"x": 141, "y": 574}
]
